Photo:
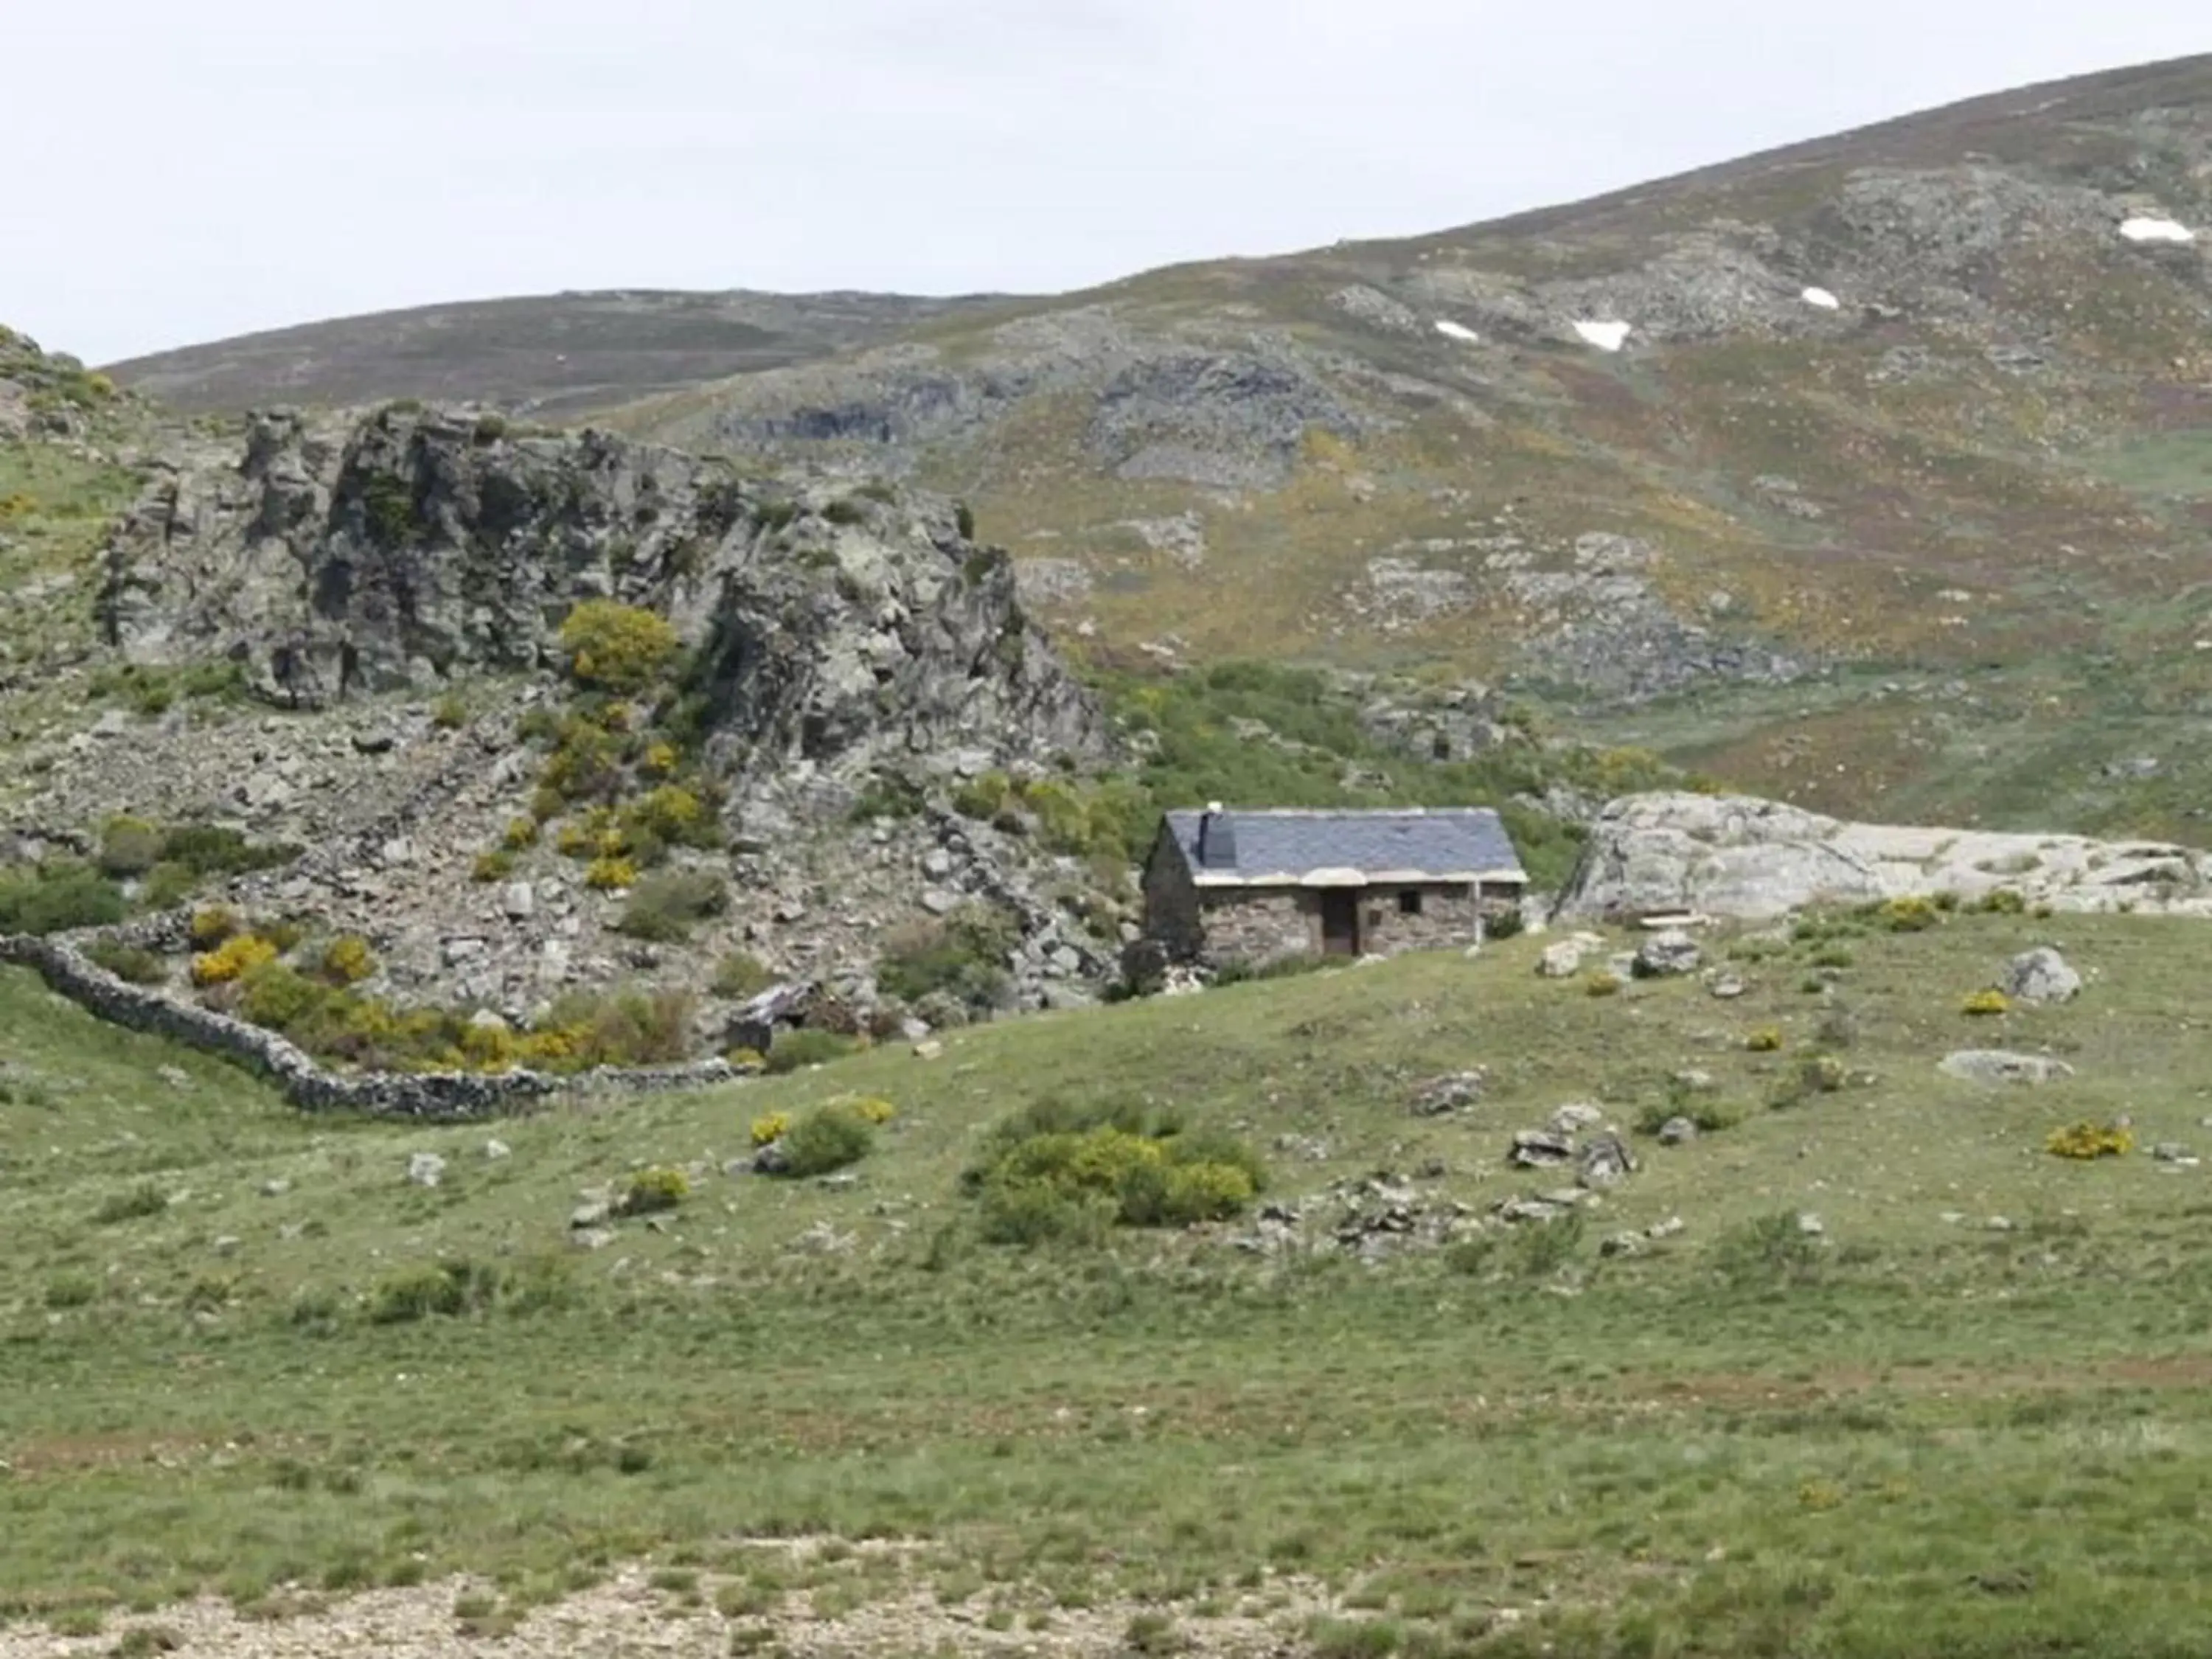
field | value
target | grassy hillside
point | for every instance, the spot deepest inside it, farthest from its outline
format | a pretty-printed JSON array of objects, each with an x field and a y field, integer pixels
[{"x": 1967, "y": 1417}]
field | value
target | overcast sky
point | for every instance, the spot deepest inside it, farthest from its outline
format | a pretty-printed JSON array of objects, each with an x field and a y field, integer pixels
[{"x": 181, "y": 170}]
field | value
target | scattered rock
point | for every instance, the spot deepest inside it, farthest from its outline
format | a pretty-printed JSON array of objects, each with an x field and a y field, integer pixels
[
  {"x": 938, "y": 901},
  {"x": 1666, "y": 954},
  {"x": 1677, "y": 1131},
  {"x": 1534, "y": 1149},
  {"x": 227, "y": 1244},
  {"x": 1671, "y": 1227},
  {"x": 175, "y": 1077},
  {"x": 822, "y": 1239},
  {"x": 2041, "y": 975},
  {"x": 518, "y": 902},
  {"x": 1811, "y": 1225},
  {"x": 1574, "y": 1117},
  {"x": 1529, "y": 1209},
  {"x": 1443, "y": 1095},
  {"x": 1561, "y": 960},
  {"x": 2172, "y": 1152},
  {"x": 276, "y": 1187},
  {"x": 592, "y": 1238},
  {"x": 426, "y": 1169},
  {"x": 1996, "y": 1066},
  {"x": 1728, "y": 986},
  {"x": 1606, "y": 1162},
  {"x": 929, "y": 1048},
  {"x": 593, "y": 1214},
  {"x": 1618, "y": 1244},
  {"x": 495, "y": 1150}
]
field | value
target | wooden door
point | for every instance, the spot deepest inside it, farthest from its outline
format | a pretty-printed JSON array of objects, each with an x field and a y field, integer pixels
[{"x": 1340, "y": 922}]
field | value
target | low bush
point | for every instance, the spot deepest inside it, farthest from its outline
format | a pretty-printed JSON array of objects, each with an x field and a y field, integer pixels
[
  {"x": 1605, "y": 984},
  {"x": 962, "y": 957},
  {"x": 1061, "y": 1172},
  {"x": 770, "y": 1127},
  {"x": 665, "y": 906},
  {"x": 235, "y": 957},
  {"x": 740, "y": 977},
  {"x": 133, "y": 1204},
  {"x": 129, "y": 962},
  {"x": 211, "y": 925},
  {"x": 494, "y": 864},
  {"x": 651, "y": 1191},
  {"x": 1999, "y": 901},
  {"x": 347, "y": 960},
  {"x": 449, "y": 713},
  {"x": 1910, "y": 914},
  {"x": 1984, "y": 1003},
  {"x": 617, "y": 648},
  {"x": 610, "y": 875},
  {"x": 130, "y": 846},
  {"x": 449, "y": 1289},
  {"x": 1772, "y": 1249},
  {"x": 58, "y": 897},
  {"x": 795, "y": 1050},
  {"x": 1766, "y": 1040},
  {"x": 2088, "y": 1141},
  {"x": 828, "y": 1138}
]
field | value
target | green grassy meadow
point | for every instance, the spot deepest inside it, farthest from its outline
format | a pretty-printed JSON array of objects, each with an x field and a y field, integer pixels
[{"x": 1970, "y": 1418}]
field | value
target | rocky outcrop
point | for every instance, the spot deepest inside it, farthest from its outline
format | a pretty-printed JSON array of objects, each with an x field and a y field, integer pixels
[
  {"x": 1735, "y": 856},
  {"x": 333, "y": 559}
]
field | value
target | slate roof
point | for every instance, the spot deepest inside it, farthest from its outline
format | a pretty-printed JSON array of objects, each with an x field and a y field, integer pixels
[{"x": 1285, "y": 847}]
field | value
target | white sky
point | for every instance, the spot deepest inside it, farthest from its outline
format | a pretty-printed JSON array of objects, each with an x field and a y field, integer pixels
[{"x": 180, "y": 170}]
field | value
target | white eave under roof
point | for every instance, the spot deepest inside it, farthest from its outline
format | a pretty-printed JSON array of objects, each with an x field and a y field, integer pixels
[{"x": 1351, "y": 877}]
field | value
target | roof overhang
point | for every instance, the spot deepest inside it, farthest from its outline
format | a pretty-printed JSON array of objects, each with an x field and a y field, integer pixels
[{"x": 1347, "y": 877}]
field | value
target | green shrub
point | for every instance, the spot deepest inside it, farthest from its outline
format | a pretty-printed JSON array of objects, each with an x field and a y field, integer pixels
[
  {"x": 448, "y": 1289},
  {"x": 208, "y": 849},
  {"x": 130, "y": 846},
  {"x": 1985, "y": 1003},
  {"x": 2000, "y": 902},
  {"x": 1767, "y": 1249},
  {"x": 829, "y": 1137},
  {"x": 667, "y": 905},
  {"x": 129, "y": 962},
  {"x": 2088, "y": 1141},
  {"x": 651, "y": 1191},
  {"x": 618, "y": 648},
  {"x": 808, "y": 1047},
  {"x": 133, "y": 1204},
  {"x": 740, "y": 977},
  {"x": 278, "y": 998},
  {"x": 449, "y": 712},
  {"x": 166, "y": 885},
  {"x": 963, "y": 956},
  {"x": 57, "y": 897},
  {"x": 1055, "y": 1172},
  {"x": 1911, "y": 914}
]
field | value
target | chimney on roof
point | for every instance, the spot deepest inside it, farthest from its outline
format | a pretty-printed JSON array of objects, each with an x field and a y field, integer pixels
[{"x": 1217, "y": 839}]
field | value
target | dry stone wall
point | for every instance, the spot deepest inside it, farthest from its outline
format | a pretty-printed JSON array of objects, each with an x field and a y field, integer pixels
[{"x": 451, "y": 1096}]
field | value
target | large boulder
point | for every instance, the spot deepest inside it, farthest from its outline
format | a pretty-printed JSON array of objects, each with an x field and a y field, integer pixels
[
  {"x": 1735, "y": 856},
  {"x": 2041, "y": 975},
  {"x": 1666, "y": 954},
  {"x": 1998, "y": 1065}
]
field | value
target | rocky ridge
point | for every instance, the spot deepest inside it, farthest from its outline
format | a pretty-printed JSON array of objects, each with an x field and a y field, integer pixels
[
  {"x": 1733, "y": 856},
  {"x": 383, "y": 596}
]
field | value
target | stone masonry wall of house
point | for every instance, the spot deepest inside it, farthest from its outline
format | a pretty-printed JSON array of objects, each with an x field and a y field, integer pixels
[
  {"x": 453, "y": 1095},
  {"x": 1261, "y": 924}
]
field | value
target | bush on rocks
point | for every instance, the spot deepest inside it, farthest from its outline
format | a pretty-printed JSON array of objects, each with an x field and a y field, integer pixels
[{"x": 1061, "y": 1172}]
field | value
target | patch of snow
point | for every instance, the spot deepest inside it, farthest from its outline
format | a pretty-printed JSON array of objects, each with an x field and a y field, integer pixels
[
  {"x": 1605, "y": 336},
  {"x": 1822, "y": 297},
  {"x": 2148, "y": 229},
  {"x": 1452, "y": 331}
]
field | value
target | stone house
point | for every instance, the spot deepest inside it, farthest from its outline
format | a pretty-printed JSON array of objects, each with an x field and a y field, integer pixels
[{"x": 1256, "y": 886}]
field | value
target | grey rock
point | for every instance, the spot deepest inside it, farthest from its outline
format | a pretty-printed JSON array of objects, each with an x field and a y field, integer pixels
[
  {"x": 426, "y": 1169},
  {"x": 1666, "y": 954},
  {"x": 1728, "y": 986},
  {"x": 593, "y": 1238},
  {"x": 937, "y": 864},
  {"x": 1621, "y": 1244},
  {"x": 1606, "y": 1162},
  {"x": 938, "y": 901},
  {"x": 1811, "y": 1225},
  {"x": 593, "y": 1214},
  {"x": 2041, "y": 975},
  {"x": 1536, "y": 1148},
  {"x": 1562, "y": 959},
  {"x": 374, "y": 742},
  {"x": 1672, "y": 1227},
  {"x": 1529, "y": 1209},
  {"x": 1573, "y": 1118},
  {"x": 1997, "y": 1066},
  {"x": 494, "y": 1151},
  {"x": 175, "y": 1076},
  {"x": 1449, "y": 1093},
  {"x": 276, "y": 1187},
  {"x": 1678, "y": 1131},
  {"x": 227, "y": 1244},
  {"x": 2170, "y": 1151},
  {"x": 518, "y": 901}
]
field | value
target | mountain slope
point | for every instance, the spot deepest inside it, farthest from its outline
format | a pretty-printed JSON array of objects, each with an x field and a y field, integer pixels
[
  {"x": 549, "y": 354},
  {"x": 1840, "y": 468}
]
